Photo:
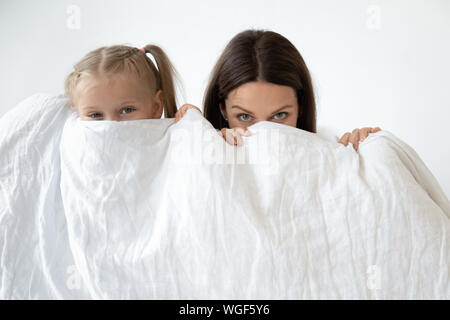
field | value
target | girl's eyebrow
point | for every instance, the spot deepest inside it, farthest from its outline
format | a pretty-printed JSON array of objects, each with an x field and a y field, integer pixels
[
  {"x": 128, "y": 101},
  {"x": 87, "y": 108}
]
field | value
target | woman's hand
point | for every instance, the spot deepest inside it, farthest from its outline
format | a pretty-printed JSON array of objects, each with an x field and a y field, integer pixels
[
  {"x": 182, "y": 111},
  {"x": 234, "y": 136},
  {"x": 356, "y": 136}
]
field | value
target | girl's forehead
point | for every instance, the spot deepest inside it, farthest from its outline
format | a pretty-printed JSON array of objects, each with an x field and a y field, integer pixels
[
  {"x": 115, "y": 83},
  {"x": 107, "y": 79},
  {"x": 98, "y": 90}
]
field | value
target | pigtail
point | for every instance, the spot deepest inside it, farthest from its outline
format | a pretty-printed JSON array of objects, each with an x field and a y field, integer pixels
[
  {"x": 165, "y": 79},
  {"x": 69, "y": 85}
]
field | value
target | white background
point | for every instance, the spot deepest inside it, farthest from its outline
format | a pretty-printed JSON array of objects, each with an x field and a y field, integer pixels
[{"x": 373, "y": 62}]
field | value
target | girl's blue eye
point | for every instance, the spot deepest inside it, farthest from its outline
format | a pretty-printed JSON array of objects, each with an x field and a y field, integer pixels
[
  {"x": 280, "y": 116},
  {"x": 244, "y": 117},
  {"x": 128, "y": 110},
  {"x": 95, "y": 115}
]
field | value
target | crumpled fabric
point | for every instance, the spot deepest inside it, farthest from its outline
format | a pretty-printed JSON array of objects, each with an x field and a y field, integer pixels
[{"x": 152, "y": 209}]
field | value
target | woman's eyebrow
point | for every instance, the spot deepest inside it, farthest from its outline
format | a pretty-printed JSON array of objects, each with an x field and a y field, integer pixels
[
  {"x": 243, "y": 109},
  {"x": 283, "y": 107}
]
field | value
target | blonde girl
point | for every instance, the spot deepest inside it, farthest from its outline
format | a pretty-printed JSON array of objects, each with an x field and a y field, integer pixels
[{"x": 121, "y": 82}]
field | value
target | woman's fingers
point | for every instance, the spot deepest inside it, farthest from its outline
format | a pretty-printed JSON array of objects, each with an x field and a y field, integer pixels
[
  {"x": 374, "y": 130},
  {"x": 344, "y": 139},
  {"x": 357, "y": 135},
  {"x": 238, "y": 139},
  {"x": 228, "y": 135},
  {"x": 237, "y": 136},
  {"x": 186, "y": 107},
  {"x": 182, "y": 111},
  {"x": 364, "y": 133},
  {"x": 234, "y": 136},
  {"x": 354, "y": 139},
  {"x": 243, "y": 131},
  {"x": 240, "y": 132}
]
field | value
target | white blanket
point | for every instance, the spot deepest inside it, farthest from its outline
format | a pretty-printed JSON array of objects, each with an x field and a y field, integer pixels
[{"x": 150, "y": 209}]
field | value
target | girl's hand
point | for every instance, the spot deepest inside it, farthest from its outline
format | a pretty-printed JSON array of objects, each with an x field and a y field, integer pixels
[
  {"x": 182, "y": 111},
  {"x": 356, "y": 136},
  {"x": 234, "y": 136}
]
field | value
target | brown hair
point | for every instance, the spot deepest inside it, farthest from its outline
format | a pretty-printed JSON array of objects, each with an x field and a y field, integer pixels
[
  {"x": 121, "y": 58},
  {"x": 257, "y": 55}
]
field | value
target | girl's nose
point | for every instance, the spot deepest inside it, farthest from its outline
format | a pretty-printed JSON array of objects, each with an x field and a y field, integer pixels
[{"x": 112, "y": 118}]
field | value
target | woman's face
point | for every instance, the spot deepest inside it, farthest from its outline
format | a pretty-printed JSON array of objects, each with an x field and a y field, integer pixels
[{"x": 260, "y": 101}]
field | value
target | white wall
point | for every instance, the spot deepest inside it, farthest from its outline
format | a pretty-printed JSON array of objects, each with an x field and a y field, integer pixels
[{"x": 374, "y": 63}]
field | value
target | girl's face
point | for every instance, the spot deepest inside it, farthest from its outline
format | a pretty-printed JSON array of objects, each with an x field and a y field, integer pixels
[
  {"x": 115, "y": 98},
  {"x": 260, "y": 101}
]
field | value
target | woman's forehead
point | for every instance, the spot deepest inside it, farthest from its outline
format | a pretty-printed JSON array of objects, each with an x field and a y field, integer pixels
[{"x": 262, "y": 93}]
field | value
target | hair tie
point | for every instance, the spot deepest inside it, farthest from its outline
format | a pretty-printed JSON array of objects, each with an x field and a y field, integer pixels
[{"x": 152, "y": 59}]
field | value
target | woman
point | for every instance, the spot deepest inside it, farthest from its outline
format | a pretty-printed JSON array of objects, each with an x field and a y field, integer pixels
[{"x": 261, "y": 76}]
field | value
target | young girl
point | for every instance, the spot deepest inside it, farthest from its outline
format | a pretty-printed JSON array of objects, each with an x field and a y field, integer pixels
[
  {"x": 261, "y": 76},
  {"x": 122, "y": 83}
]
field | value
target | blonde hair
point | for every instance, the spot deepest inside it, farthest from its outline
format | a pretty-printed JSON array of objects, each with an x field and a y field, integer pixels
[{"x": 120, "y": 58}]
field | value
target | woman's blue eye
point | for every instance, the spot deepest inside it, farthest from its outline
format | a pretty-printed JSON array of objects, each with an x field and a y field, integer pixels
[
  {"x": 244, "y": 117},
  {"x": 128, "y": 110},
  {"x": 280, "y": 116}
]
